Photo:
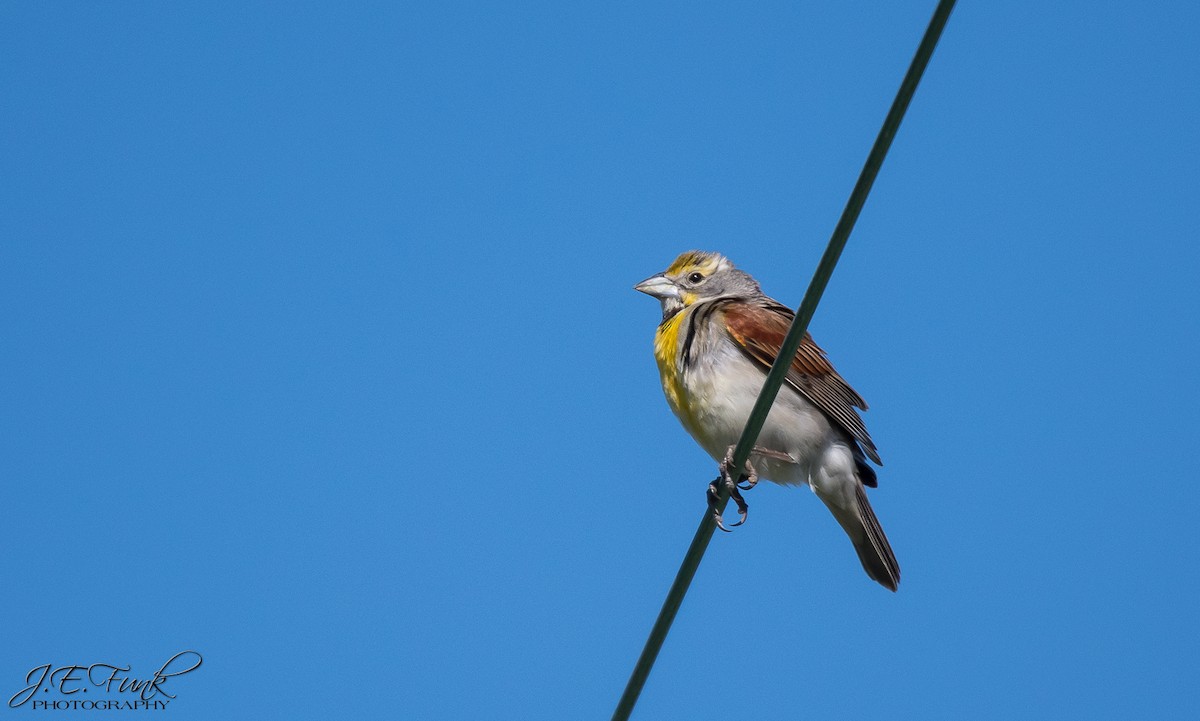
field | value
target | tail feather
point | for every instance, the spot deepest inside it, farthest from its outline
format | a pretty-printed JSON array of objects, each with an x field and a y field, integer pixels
[
  {"x": 861, "y": 525},
  {"x": 872, "y": 545}
]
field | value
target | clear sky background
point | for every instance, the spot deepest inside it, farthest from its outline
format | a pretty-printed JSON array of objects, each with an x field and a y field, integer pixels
[{"x": 320, "y": 355}]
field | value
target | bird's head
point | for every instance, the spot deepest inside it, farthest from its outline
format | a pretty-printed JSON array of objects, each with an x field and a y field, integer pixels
[{"x": 697, "y": 276}]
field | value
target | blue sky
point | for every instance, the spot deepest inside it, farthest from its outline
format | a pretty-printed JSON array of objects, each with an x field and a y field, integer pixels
[{"x": 320, "y": 354}]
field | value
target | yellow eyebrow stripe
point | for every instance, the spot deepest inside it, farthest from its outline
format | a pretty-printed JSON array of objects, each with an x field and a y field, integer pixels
[{"x": 695, "y": 260}]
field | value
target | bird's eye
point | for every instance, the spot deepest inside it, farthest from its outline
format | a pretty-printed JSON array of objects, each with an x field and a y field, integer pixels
[{"x": 695, "y": 277}]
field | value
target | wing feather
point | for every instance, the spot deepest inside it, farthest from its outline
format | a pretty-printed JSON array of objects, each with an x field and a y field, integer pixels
[{"x": 759, "y": 327}]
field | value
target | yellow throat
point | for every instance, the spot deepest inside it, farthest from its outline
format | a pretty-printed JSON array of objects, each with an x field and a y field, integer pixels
[{"x": 666, "y": 352}]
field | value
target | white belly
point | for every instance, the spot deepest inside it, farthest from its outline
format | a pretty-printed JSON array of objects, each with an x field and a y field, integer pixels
[{"x": 722, "y": 402}]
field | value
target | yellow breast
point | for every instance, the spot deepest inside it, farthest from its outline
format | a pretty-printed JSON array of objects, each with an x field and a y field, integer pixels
[{"x": 666, "y": 352}]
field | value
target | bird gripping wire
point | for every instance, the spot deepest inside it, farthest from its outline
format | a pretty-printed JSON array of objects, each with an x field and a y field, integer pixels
[{"x": 791, "y": 342}]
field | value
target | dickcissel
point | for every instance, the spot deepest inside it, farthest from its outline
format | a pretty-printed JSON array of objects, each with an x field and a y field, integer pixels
[{"x": 718, "y": 337}]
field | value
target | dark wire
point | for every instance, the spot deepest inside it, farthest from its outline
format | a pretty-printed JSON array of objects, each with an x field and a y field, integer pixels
[{"x": 695, "y": 552}]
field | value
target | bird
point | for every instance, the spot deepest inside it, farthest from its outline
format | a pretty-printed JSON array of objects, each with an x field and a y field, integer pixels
[{"x": 717, "y": 339}]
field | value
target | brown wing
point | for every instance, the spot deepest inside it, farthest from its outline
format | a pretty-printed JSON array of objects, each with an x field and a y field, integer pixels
[{"x": 759, "y": 327}]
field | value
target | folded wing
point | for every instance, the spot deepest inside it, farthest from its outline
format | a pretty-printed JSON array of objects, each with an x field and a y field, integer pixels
[{"x": 760, "y": 328}]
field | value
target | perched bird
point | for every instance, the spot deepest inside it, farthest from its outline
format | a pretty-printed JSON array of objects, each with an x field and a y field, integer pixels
[{"x": 718, "y": 337}]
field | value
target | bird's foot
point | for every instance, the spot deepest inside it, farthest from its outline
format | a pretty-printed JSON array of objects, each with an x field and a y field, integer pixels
[
  {"x": 735, "y": 488},
  {"x": 714, "y": 495},
  {"x": 750, "y": 478},
  {"x": 744, "y": 482}
]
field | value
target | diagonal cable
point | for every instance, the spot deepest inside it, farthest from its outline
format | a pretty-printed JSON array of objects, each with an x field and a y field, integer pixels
[{"x": 791, "y": 343}]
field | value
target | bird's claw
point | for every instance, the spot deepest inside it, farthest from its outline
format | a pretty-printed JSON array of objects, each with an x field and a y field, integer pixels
[
  {"x": 734, "y": 495},
  {"x": 735, "y": 487}
]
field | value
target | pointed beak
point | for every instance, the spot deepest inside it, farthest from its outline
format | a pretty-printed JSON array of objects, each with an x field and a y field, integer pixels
[{"x": 658, "y": 286}]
